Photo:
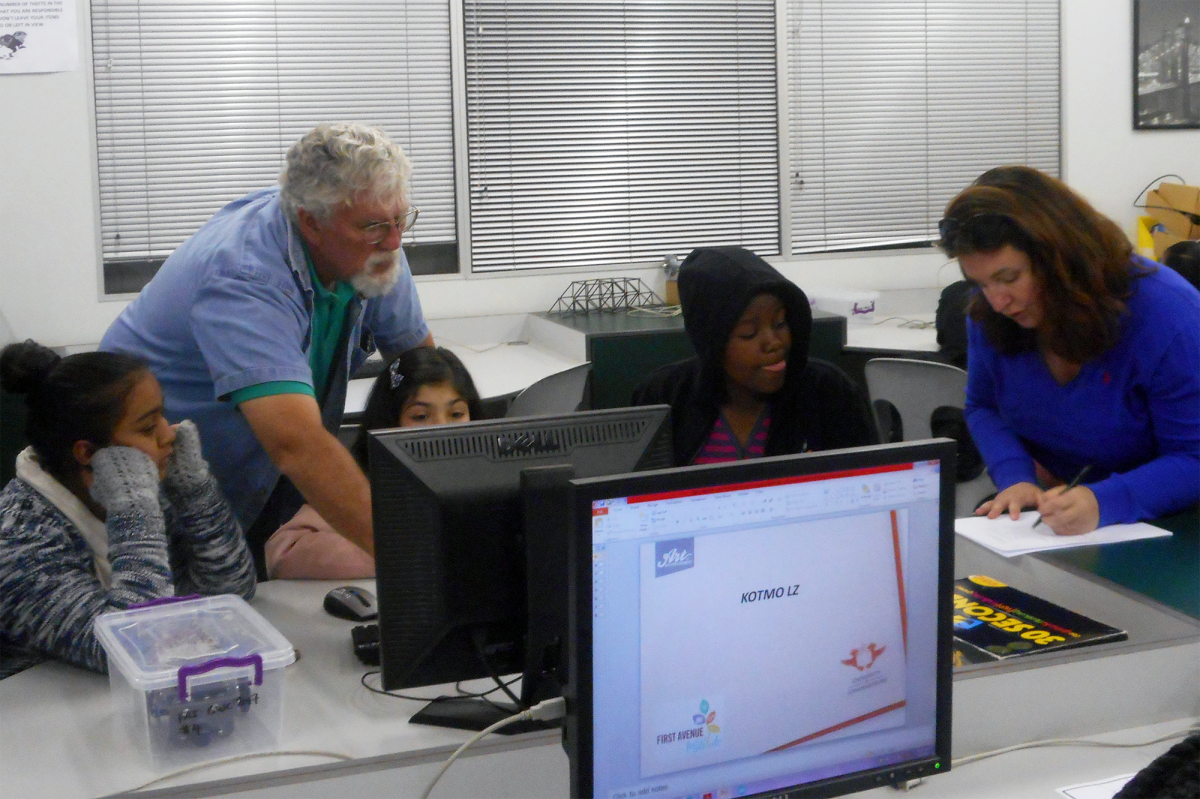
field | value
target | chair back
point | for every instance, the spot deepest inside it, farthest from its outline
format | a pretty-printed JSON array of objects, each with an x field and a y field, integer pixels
[
  {"x": 562, "y": 392},
  {"x": 916, "y": 389}
]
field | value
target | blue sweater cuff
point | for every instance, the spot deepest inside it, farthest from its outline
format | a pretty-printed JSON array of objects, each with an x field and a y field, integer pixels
[
  {"x": 1012, "y": 471},
  {"x": 1116, "y": 506}
]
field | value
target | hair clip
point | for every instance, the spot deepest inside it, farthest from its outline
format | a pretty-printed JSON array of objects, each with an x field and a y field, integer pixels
[{"x": 394, "y": 371}]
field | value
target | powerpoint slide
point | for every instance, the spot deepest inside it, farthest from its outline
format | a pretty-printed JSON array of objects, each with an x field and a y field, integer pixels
[{"x": 761, "y": 640}]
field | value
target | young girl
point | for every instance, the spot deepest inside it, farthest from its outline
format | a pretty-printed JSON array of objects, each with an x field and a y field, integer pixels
[
  {"x": 751, "y": 390},
  {"x": 424, "y": 386},
  {"x": 111, "y": 506}
]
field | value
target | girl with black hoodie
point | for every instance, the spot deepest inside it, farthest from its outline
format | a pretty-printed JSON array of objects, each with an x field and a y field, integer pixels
[{"x": 751, "y": 390}]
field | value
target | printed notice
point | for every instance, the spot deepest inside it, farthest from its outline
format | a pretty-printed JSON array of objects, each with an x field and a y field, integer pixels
[
  {"x": 38, "y": 36},
  {"x": 761, "y": 640}
]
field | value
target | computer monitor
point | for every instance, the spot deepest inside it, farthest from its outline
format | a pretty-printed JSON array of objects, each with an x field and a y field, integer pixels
[
  {"x": 772, "y": 627},
  {"x": 460, "y": 559}
]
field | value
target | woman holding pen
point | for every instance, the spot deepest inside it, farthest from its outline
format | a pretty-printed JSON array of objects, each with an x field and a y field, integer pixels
[{"x": 1082, "y": 356}]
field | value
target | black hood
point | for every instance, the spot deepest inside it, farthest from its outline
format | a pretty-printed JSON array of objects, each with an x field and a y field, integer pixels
[{"x": 715, "y": 286}]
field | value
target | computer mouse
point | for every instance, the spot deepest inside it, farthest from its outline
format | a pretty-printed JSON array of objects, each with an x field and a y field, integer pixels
[{"x": 352, "y": 603}]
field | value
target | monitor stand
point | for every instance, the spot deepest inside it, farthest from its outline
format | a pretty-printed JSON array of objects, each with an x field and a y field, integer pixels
[
  {"x": 545, "y": 498},
  {"x": 472, "y": 713}
]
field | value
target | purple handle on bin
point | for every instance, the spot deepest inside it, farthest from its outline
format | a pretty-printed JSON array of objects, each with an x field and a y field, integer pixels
[
  {"x": 218, "y": 663},
  {"x": 162, "y": 600}
]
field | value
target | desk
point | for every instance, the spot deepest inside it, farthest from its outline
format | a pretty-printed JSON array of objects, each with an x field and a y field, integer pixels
[
  {"x": 55, "y": 720},
  {"x": 1164, "y": 569},
  {"x": 891, "y": 337},
  {"x": 899, "y": 335},
  {"x": 504, "y": 354}
]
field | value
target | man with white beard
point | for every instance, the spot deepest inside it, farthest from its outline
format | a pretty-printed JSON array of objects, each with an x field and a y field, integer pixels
[{"x": 254, "y": 325}]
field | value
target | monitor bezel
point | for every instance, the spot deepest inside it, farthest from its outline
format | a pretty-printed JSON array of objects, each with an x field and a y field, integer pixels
[
  {"x": 519, "y": 432},
  {"x": 578, "y": 728}
]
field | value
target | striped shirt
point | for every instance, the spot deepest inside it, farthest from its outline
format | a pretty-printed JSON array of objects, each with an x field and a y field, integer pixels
[
  {"x": 50, "y": 593},
  {"x": 722, "y": 445}
]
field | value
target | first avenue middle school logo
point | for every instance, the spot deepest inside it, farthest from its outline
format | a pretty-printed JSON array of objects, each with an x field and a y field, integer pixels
[
  {"x": 674, "y": 556},
  {"x": 703, "y": 733}
]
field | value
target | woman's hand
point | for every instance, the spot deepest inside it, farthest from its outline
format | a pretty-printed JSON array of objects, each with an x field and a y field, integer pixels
[
  {"x": 1012, "y": 501},
  {"x": 1073, "y": 512}
]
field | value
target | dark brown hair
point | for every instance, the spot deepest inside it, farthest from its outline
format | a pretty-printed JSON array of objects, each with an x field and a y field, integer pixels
[{"x": 1080, "y": 260}]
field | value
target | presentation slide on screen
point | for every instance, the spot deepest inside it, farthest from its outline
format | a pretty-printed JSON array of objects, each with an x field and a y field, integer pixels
[{"x": 761, "y": 640}]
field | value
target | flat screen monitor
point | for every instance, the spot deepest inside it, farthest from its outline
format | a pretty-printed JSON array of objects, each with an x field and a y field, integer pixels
[
  {"x": 773, "y": 627},
  {"x": 462, "y": 552}
]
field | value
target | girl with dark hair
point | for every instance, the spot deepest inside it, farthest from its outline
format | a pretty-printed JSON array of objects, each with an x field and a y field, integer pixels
[
  {"x": 751, "y": 390},
  {"x": 1081, "y": 354},
  {"x": 424, "y": 386},
  {"x": 111, "y": 506}
]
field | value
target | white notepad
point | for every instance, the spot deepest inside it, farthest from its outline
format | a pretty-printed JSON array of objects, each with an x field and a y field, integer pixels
[{"x": 1011, "y": 538}]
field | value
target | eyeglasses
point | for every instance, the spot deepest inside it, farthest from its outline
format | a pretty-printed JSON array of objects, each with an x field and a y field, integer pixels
[
  {"x": 986, "y": 232},
  {"x": 375, "y": 232}
]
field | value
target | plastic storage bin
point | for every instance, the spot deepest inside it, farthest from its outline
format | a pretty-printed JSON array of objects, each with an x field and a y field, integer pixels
[
  {"x": 857, "y": 306},
  {"x": 196, "y": 679}
]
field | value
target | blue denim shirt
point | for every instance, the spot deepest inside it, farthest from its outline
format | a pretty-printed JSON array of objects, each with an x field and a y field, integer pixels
[{"x": 232, "y": 307}]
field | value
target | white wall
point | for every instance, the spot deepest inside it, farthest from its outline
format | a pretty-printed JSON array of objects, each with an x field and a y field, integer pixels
[
  {"x": 49, "y": 244},
  {"x": 1104, "y": 158}
]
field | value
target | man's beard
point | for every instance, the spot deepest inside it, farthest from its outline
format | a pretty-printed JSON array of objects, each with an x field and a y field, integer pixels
[{"x": 379, "y": 275}]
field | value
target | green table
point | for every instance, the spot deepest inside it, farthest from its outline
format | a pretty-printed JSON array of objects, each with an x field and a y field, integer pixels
[
  {"x": 625, "y": 348},
  {"x": 1164, "y": 569}
]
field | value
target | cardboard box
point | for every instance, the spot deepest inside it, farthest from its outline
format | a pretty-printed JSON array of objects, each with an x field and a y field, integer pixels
[
  {"x": 1177, "y": 207},
  {"x": 1153, "y": 238}
]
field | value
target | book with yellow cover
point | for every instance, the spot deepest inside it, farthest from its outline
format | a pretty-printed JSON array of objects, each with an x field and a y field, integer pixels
[{"x": 994, "y": 621}]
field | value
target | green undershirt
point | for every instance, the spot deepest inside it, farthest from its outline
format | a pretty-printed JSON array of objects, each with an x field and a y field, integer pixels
[{"x": 329, "y": 316}]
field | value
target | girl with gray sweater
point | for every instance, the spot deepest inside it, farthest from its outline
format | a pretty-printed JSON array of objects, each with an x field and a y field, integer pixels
[{"x": 111, "y": 506}]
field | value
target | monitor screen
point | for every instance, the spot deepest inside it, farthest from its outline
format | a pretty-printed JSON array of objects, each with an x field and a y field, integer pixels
[
  {"x": 778, "y": 626},
  {"x": 451, "y": 550}
]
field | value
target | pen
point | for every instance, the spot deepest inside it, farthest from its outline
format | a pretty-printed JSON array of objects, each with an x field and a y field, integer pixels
[{"x": 1070, "y": 485}]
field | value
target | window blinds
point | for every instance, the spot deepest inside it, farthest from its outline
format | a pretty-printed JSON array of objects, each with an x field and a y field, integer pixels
[
  {"x": 896, "y": 106},
  {"x": 611, "y": 132},
  {"x": 198, "y": 102}
]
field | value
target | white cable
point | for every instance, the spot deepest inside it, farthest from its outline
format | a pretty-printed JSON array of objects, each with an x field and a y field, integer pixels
[
  {"x": 546, "y": 710},
  {"x": 237, "y": 758},
  {"x": 962, "y": 761}
]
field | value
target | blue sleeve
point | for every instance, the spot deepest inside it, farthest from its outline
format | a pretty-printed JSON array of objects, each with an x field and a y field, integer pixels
[
  {"x": 396, "y": 320},
  {"x": 250, "y": 331},
  {"x": 1171, "y": 481},
  {"x": 1007, "y": 461}
]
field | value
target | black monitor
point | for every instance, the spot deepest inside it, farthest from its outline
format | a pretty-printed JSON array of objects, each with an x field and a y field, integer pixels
[
  {"x": 772, "y": 627},
  {"x": 470, "y": 529}
]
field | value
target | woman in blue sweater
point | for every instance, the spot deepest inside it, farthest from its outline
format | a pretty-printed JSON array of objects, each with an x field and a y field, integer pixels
[
  {"x": 111, "y": 506},
  {"x": 1081, "y": 354}
]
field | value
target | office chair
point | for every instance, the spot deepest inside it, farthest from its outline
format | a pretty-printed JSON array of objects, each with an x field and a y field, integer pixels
[
  {"x": 916, "y": 389},
  {"x": 562, "y": 392}
]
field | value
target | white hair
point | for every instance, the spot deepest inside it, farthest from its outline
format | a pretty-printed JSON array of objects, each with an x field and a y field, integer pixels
[{"x": 335, "y": 162}]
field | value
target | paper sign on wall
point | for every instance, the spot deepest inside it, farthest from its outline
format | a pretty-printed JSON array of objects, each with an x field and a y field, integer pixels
[{"x": 38, "y": 36}]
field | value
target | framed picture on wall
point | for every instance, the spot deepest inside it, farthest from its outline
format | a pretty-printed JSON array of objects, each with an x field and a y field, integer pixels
[{"x": 1166, "y": 64}]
